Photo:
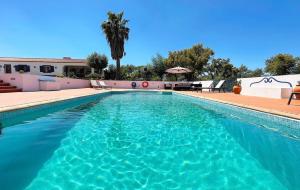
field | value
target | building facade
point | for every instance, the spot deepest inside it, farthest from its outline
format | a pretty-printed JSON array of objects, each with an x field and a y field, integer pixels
[{"x": 45, "y": 66}]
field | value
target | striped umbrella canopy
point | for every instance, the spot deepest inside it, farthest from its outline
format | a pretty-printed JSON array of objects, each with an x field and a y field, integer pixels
[{"x": 178, "y": 70}]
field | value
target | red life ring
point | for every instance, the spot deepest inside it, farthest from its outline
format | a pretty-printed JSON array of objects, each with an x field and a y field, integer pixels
[{"x": 145, "y": 84}]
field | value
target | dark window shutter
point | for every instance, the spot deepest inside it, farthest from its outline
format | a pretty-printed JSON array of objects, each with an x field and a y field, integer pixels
[
  {"x": 27, "y": 68},
  {"x": 42, "y": 69},
  {"x": 46, "y": 69},
  {"x": 17, "y": 67}
]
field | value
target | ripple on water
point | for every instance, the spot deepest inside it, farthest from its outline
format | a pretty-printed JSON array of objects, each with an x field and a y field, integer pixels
[{"x": 155, "y": 142}]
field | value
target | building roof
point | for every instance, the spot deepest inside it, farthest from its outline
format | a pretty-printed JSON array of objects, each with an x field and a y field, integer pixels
[{"x": 44, "y": 60}]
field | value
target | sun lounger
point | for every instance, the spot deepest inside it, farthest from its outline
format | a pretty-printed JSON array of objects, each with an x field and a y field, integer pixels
[
  {"x": 183, "y": 86},
  {"x": 292, "y": 95},
  {"x": 196, "y": 84},
  {"x": 103, "y": 85},
  {"x": 168, "y": 85},
  {"x": 218, "y": 87},
  {"x": 204, "y": 85},
  {"x": 94, "y": 84}
]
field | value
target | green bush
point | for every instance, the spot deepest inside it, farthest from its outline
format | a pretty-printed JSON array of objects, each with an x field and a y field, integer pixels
[{"x": 72, "y": 75}]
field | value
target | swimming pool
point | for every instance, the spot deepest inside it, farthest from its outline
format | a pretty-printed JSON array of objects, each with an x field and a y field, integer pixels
[{"x": 148, "y": 140}]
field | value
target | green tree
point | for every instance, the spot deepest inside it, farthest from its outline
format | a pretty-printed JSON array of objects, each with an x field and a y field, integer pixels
[
  {"x": 159, "y": 66},
  {"x": 221, "y": 69},
  {"x": 138, "y": 73},
  {"x": 117, "y": 32},
  {"x": 127, "y": 72},
  {"x": 229, "y": 71},
  {"x": 148, "y": 72},
  {"x": 243, "y": 71},
  {"x": 195, "y": 58},
  {"x": 256, "y": 73},
  {"x": 280, "y": 64},
  {"x": 215, "y": 69},
  {"x": 97, "y": 62},
  {"x": 110, "y": 72},
  {"x": 296, "y": 68}
]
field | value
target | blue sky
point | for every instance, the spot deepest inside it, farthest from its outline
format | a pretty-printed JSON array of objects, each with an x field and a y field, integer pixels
[{"x": 246, "y": 31}]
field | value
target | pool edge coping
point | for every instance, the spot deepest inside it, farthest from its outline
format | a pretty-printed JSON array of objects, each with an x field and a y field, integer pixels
[
  {"x": 49, "y": 101},
  {"x": 54, "y": 100},
  {"x": 252, "y": 108}
]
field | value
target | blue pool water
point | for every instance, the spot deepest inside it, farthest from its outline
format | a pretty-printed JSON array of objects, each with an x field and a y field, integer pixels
[{"x": 147, "y": 141}]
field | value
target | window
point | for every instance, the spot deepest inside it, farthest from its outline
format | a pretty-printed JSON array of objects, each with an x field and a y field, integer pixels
[
  {"x": 7, "y": 68},
  {"x": 24, "y": 68},
  {"x": 46, "y": 69}
]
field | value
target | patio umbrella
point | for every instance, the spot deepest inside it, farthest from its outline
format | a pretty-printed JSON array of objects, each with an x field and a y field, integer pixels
[{"x": 178, "y": 70}]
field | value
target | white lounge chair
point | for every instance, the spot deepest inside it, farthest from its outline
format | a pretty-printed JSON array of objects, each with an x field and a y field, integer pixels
[
  {"x": 103, "y": 85},
  {"x": 94, "y": 84},
  {"x": 196, "y": 84},
  {"x": 203, "y": 85},
  {"x": 218, "y": 87}
]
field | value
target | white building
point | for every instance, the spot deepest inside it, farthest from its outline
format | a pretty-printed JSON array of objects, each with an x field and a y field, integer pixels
[{"x": 44, "y": 66}]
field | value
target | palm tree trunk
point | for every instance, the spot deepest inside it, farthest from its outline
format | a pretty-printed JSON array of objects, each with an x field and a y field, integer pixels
[{"x": 118, "y": 70}]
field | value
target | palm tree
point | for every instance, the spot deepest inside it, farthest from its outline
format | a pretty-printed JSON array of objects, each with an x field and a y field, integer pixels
[{"x": 116, "y": 33}]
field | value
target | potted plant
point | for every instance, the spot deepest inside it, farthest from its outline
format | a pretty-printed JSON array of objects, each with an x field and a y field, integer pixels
[
  {"x": 237, "y": 87},
  {"x": 297, "y": 89}
]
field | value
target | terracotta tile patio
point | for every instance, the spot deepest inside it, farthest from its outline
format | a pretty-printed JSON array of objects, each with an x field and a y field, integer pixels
[
  {"x": 17, "y": 100},
  {"x": 275, "y": 106}
]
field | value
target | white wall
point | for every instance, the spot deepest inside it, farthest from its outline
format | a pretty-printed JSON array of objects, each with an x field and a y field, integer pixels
[
  {"x": 271, "y": 84},
  {"x": 69, "y": 83},
  {"x": 35, "y": 67},
  {"x": 30, "y": 83},
  {"x": 127, "y": 84},
  {"x": 268, "y": 86},
  {"x": 152, "y": 84}
]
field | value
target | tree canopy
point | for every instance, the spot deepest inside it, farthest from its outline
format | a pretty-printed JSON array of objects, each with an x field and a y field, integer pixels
[
  {"x": 219, "y": 68},
  {"x": 281, "y": 64},
  {"x": 97, "y": 61},
  {"x": 244, "y": 72},
  {"x": 159, "y": 65},
  {"x": 194, "y": 58},
  {"x": 197, "y": 58}
]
